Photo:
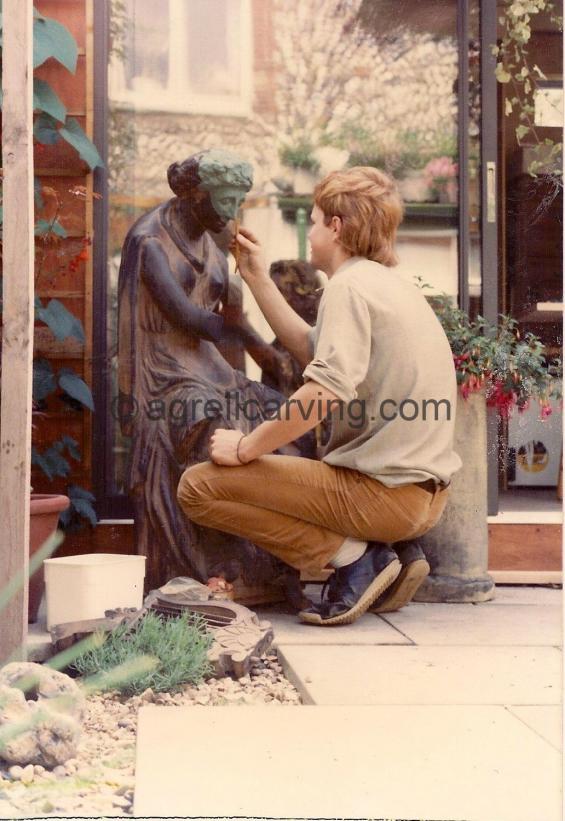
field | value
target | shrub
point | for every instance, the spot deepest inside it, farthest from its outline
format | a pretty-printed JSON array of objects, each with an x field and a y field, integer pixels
[{"x": 179, "y": 644}]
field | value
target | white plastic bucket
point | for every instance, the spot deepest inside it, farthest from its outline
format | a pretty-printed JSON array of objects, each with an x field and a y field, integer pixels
[{"x": 83, "y": 587}]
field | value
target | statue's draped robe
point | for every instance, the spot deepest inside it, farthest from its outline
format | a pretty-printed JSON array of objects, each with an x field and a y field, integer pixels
[{"x": 166, "y": 377}]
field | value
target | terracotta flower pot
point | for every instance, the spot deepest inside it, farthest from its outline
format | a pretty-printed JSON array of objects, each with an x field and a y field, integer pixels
[{"x": 44, "y": 513}]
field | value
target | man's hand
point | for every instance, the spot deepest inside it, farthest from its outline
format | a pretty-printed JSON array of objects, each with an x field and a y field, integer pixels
[
  {"x": 252, "y": 266},
  {"x": 223, "y": 447}
]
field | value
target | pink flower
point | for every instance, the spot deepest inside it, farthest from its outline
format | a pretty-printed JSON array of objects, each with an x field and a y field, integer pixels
[
  {"x": 441, "y": 168},
  {"x": 502, "y": 400},
  {"x": 545, "y": 410}
]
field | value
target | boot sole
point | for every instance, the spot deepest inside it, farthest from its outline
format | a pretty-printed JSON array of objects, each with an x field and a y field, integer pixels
[
  {"x": 379, "y": 584},
  {"x": 404, "y": 588}
]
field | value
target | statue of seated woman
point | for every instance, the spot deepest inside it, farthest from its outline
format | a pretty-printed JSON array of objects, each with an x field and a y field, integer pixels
[{"x": 175, "y": 387}]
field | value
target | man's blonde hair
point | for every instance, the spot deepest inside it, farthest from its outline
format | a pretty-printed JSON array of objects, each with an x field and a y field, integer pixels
[{"x": 370, "y": 208}]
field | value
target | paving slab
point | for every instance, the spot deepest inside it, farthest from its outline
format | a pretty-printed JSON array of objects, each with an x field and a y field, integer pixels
[
  {"x": 527, "y": 594},
  {"x": 546, "y": 721},
  {"x": 481, "y": 624},
  {"x": 424, "y": 675},
  {"x": 369, "y": 629},
  {"x": 456, "y": 763}
]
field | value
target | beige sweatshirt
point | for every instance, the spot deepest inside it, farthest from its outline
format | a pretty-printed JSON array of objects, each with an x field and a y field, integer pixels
[{"x": 380, "y": 348}]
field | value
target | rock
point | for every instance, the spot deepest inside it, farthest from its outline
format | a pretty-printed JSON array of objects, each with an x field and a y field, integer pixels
[
  {"x": 16, "y": 772},
  {"x": 119, "y": 801},
  {"x": 42, "y": 735},
  {"x": 47, "y": 806},
  {"x": 58, "y": 737},
  {"x": 59, "y": 771},
  {"x": 27, "y": 775},
  {"x": 40, "y": 683},
  {"x": 123, "y": 789},
  {"x": 21, "y": 747}
]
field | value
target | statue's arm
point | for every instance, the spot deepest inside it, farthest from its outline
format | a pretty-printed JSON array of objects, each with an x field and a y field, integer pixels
[
  {"x": 170, "y": 297},
  {"x": 263, "y": 353}
]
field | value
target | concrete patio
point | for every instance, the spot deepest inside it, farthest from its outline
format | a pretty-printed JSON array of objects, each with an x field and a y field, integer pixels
[{"x": 435, "y": 712}]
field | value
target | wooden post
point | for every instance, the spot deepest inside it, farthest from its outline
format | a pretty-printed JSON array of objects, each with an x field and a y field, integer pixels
[{"x": 17, "y": 320}]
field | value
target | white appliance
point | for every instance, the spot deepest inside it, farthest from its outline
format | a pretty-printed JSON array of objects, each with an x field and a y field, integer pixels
[{"x": 535, "y": 446}]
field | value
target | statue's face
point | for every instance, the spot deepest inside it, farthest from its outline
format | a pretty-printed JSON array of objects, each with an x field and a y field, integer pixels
[{"x": 226, "y": 201}]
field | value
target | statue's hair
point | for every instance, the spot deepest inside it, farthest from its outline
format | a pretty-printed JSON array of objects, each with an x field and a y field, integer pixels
[
  {"x": 209, "y": 169},
  {"x": 370, "y": 208}
]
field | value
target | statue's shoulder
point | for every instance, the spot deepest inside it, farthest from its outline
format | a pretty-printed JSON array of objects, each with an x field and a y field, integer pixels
[{"x": 148, "y": 224}]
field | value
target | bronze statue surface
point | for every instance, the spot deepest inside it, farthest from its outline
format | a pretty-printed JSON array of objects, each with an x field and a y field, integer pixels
[{"x": 173, "y": 288}]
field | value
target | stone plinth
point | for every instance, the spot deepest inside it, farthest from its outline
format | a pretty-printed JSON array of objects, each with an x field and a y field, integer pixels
[{"x": 457, "y": 548}]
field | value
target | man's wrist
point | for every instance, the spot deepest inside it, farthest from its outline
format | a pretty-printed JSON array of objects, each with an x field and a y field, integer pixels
[{"x": 245, "y": 450}]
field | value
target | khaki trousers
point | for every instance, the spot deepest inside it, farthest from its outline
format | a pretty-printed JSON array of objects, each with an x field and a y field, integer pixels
[{"x": 301, "y": 510}]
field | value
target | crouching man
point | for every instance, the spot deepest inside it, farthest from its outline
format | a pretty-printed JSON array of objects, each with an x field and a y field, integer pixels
[{"x": 379, "y": 362}]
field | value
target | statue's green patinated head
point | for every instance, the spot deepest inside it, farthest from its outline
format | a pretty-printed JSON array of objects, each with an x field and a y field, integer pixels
[
  {"x": 227, "y": 178},
  {"x": 223, "y": 175}
]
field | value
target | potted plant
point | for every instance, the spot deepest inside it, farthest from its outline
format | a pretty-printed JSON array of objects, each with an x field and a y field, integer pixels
[
  {"x": 63, "y": 388},
  {"x": 408, "y": 167},
  {"x": 299, "y": 156},
  {"x": 512, "y": 372},
  {"x": 441, "y": 174},
  {"x": 494, "y": 368}
]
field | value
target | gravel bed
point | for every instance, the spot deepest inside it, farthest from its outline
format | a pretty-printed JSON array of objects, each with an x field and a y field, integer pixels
[{"x": 100, "y": 781}]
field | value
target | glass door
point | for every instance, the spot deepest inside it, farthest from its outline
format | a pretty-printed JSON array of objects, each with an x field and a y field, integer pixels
[{"x": 297, "y": 88}]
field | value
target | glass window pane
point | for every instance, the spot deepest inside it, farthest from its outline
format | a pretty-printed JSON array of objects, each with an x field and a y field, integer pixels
[
  {"x": 214, "y": 64},
  {"x": 147, "y": 46}
]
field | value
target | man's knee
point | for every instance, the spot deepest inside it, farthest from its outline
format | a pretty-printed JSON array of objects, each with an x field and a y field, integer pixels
[{"x": 190, "y": 490}]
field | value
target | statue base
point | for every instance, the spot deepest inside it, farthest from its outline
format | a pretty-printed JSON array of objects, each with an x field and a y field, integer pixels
[
  {"x": 253, "y": 595},
  {"x": 456, "y": 589}
]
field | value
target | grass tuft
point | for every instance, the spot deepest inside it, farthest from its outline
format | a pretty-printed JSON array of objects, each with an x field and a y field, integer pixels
[{"x": 179, "y": 647}]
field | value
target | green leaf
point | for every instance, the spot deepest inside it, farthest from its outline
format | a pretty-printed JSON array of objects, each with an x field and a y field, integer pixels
[
  {"x": 37, "y": 459},
  {"x": 65, "y": 516},
  {"x": 37, "y": 192},
  {"x": 53, "y": 39},
  {"x": 43, "y": 379},
  {"x": 501, "y": 74},
  {"x": 507, "y": 107},
  {"x": 78, "y": 492},
  {"x": 45, "y": 130},
  {"x": 57, "y": 228},
  {"x": 521, "y": 131},
  {"x": 84, "y": 508},
  {"x": 72, "y": 446},
  {"x": 52, "y": 463},
  {"x": 60, "y": 321},
  {"x": 76, "y": 387},
  {"x": 43, "y": 227},
  {"x": 75, "y": 136},
  {"x": 45, "y": 99}
]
